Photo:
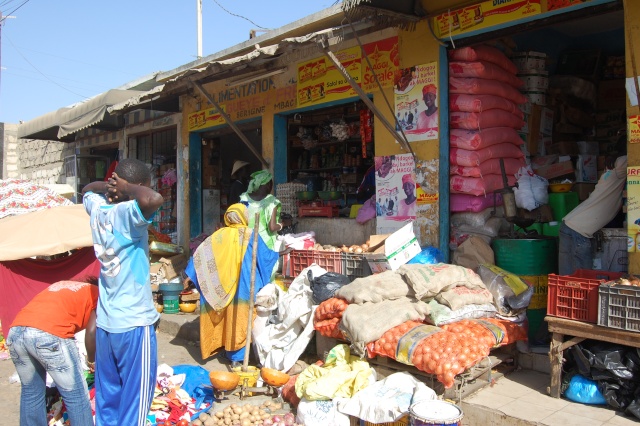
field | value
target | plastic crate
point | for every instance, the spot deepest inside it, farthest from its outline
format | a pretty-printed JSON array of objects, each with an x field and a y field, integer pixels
[
  {"x": 300, "y": 259},
  {"x": 619, "y": 307},
  {"x": 329, "y": 260},
  {"x": 355, "y": 266},
  {"x": 576, "y": 296}
]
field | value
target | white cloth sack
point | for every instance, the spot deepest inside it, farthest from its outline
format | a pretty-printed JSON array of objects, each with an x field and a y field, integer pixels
[
  {"x": 280, "y": 345},
  {"x": 321, "y": 413},
  {"x": 531, "y": 192},
  {"x": 387, "y": 400}
]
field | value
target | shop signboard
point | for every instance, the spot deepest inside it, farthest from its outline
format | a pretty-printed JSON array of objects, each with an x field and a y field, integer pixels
[
  {"x": 384, "y": 58},
  {"x": 416, "y": 102},
  {"x": 396, "y": 198},
  {"x": 319, "y": 81},
  {"x": 634, "y": 128},
  {"x": 244, "y": 102},
  {"x": 483, "y": 15},
  {"x": 633, "y": 208}
]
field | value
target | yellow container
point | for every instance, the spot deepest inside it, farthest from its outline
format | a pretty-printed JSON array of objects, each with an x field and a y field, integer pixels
[
  {"x": 540, "y": 285},
  {"x": 248, "y": 378}
]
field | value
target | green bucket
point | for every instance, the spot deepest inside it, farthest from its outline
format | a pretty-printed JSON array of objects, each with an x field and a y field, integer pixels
[
  {"x": 537, "y": 327},
  {"x": 170, "y": 304}
]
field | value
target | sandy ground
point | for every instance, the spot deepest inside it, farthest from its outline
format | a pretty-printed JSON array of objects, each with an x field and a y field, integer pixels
[{"x": 171, "y": 351}]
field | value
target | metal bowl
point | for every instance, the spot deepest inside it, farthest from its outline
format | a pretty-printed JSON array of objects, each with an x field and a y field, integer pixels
[
  {"x": 306, "y": 195},
  {"x": 330, "y": 195}
]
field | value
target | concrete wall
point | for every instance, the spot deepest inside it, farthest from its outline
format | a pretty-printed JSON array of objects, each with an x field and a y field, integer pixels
[
  {"x": 8, "y": 154},
  {"x": 42, "y": 161}
]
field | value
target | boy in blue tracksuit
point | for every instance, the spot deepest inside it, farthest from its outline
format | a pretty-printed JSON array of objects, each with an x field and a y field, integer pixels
[{"x": 126, "y": 347}]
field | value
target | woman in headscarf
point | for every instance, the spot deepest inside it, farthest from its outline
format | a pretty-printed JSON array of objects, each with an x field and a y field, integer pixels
[
  {"x": 407, "y": 206},
  {"x": 260, "y": 200},
  {"x": 221, "y": 270}
]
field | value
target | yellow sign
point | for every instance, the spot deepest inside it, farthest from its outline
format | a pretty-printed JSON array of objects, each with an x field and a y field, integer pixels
[
  {"x": 424, "y": 198},
  {"x": 484, "y": 15},
  {"x": 243, "y": 103},
  {"x": 384, "y": 58},
  {"x": 633, "y": 208},
  {"x": 319, "y": 81},
  {"x": 634, "y": 128}
]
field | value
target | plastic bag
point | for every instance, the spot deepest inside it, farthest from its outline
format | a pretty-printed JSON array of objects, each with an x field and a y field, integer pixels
[
  {"x": 367, "y": 211},
  {"x": 325, "y": 286},
  {"x": 585, "y": 391},
  {"x": 510, "y": 294},
  {"x": 428, "y": 256},
  {"x": 531, "y": 192}
]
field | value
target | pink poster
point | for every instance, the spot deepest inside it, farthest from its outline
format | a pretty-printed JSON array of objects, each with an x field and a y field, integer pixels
[{"x": 396, "y": 198}]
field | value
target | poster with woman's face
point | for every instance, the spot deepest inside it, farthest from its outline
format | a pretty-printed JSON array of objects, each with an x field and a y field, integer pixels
[
  {"x": 395, "y": 191},
  {"x": 416, "y": 102}
]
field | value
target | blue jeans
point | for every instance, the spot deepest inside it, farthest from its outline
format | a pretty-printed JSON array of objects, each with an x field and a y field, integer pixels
[
  {"x": 575, "y": 251},
  {"x": 35, "y": 353}
]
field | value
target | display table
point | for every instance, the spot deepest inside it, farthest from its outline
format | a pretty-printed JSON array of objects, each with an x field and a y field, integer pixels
[{"x": 579, "y": 331}]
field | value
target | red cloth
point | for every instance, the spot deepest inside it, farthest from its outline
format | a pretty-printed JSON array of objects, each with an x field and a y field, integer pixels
[
  {"x": 21, "y": 280},
  {"x": 112, "y": 168}
]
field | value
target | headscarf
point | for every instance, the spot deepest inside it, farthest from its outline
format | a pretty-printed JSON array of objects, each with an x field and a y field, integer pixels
[
  {"x": 218, "y": 260},
  {"x": 258, "y": 179},
  {"x": 408, "y": 178},
  {"x": 429, "y": 88}
]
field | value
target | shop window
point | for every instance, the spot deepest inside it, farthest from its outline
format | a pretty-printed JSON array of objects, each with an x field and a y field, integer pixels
[{"x": 159, "y": 150}]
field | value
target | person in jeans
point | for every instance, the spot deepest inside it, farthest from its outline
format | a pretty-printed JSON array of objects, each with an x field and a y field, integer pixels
[
  {"x": 577, "y": 229},
  {"x": 41, "y": 340},
  {"x": 127, "y": 352}
]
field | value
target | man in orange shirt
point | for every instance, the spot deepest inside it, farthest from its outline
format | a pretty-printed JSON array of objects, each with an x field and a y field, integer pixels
[{"x": 41, "y": 340}]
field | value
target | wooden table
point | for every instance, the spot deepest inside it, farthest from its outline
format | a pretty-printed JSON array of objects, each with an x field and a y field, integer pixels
[{"x": 561, "y": 327}]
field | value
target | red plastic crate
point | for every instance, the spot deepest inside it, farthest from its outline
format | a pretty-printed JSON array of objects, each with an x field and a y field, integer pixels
[
  {"x": 300, "y": 259},
  {"x": 329, "y": 260},
  {"x": 576, "y": 296}
]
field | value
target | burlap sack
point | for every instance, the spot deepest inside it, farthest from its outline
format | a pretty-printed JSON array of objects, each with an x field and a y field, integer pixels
[
  {"x": 366, "y": 323},
  {"x": 428, "y": 281},
  {"x": 461, "y": 296},
  {"x": 473, "y": 252},
  {"x": 388, "y": 285}
]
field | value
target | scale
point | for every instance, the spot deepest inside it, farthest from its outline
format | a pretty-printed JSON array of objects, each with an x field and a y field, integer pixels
[{"x": 226, "y": 384}]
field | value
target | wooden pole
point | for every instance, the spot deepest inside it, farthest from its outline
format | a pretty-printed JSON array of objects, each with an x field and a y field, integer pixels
[{"x": 254, "y": 260}]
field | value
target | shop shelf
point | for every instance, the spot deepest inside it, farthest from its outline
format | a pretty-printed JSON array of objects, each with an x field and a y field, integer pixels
[
  {"x": 576, "y": 296},
  {"x": 355, "y": 266},
  {"x": 329, "y": 260},
  {"x": 619, "y": 307}
]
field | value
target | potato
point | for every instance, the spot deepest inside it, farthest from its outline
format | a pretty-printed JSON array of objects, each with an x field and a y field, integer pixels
[
  {"x": 210, "y": 422},
  {"x": 204, "y": 416},
  {"x": 196, "y": 422}
]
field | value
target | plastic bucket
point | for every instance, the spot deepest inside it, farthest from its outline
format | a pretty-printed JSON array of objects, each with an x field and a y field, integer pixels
[
  {"x": 170, "y": 304},
  {"x": 435, "y": 413}
]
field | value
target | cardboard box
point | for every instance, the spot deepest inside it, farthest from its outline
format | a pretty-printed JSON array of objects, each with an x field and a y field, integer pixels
[
  {"x": 555, "y": 170},
  {"x": 564, "y": 148},
  {"x": 587, "y": 168},
  {"x": 611, "y": 95},
  {"x": 539, "y": 125},
  {"x": 583, "y": 189},
  {"x": 392, "y": 251},
  {"x": 172, "y": 267}
]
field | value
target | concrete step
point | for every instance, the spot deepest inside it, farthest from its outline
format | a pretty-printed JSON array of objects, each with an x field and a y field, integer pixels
[{"x": 181, "y": 325}]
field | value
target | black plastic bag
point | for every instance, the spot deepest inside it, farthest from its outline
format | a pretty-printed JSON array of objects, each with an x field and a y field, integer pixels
[{"x": 326, "y": 285}]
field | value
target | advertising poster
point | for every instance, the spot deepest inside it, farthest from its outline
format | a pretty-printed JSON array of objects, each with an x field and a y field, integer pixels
[
  {"x": 319, "y": 81},
  {"x": 484, "y": 15},
  {"x": 634, "y": 128},
  {"x": 416, "y": 101},
  {"x": 396, "y": 198},
  {"x": 633, "y": 208},
  {"x": 384, "y": 59}
]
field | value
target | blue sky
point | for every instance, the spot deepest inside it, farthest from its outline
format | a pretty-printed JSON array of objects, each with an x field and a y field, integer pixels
[{"x": 58, "y": 52}]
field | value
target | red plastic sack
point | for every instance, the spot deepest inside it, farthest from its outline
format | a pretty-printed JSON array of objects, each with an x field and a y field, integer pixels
[
  {"x": 477, "y": 139},
  {"x": 472, "y": 203},
  {"x": 483, "y": 53},
  {"x": 489, "y": 167},
  {"x": 463, "y": 157},
  {"x": 481, "y": 86},
  {"x": 484, "y": 120},
  {"x": 478, "y": 186},
  {"x": 483, "y": 69},
  {"x": 479, "y": 103}
]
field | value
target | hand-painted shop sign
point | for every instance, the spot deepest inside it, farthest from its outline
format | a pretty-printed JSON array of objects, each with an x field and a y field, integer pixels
[
  {"x": 244, "y": 102},
  {"x": 484, "y": 15},
  {"x": 634, "y": 128}
]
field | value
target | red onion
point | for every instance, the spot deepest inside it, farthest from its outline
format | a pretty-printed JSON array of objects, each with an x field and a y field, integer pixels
[
  {"x": 289, "y": 419},
  {"x": 267, "y": 422},
  {"x": 276, "y": 418}
]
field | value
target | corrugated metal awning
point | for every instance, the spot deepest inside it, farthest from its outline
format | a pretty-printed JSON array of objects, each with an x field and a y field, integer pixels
[{"x": 64, "y": 122}]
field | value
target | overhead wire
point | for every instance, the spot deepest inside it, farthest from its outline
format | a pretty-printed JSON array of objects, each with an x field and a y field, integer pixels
[
  {"x": 3, "y": 18},
  {"x": 238, "y": 16}
]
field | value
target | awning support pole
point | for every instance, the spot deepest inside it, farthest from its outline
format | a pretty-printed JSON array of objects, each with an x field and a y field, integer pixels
[
  {"x": 231, "y": 124},
  {"x": 324, "y": 46}
]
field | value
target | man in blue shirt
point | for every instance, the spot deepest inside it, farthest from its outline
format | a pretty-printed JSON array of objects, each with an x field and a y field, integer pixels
[{"x": 126, "y": 348}]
